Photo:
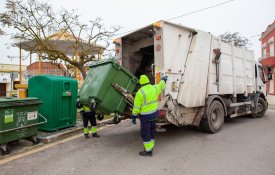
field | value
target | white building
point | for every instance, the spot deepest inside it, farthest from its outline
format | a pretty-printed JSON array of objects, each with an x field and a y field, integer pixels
[{"x": 9, "y": 76}]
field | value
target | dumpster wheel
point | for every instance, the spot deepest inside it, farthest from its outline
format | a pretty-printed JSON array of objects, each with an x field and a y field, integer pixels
[
  {"x": 116, "y": 119},
  {"x": 6, "y": 149},
  {"x": 100, "y": 116},
  {"x": 34, "y": 140}
]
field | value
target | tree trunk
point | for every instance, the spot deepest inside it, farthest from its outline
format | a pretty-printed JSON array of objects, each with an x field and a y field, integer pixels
[{"x": 83, "y": 72}]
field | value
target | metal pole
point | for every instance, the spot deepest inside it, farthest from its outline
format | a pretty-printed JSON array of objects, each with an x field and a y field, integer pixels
[
  {"x": 30, "y": 57},
  {"x": 76, "y": 69},
  {"x": 39, "y": 63},
  {"x": 20, "y": 68}
]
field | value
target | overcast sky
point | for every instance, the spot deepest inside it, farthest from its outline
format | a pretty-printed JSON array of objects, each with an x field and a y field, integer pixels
[{"x": 248, "y": 17}]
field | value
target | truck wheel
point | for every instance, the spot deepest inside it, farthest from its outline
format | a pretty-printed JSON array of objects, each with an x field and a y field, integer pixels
[
  {"x": 214, "y": 118},
  {"x": 261, "y": 108}
]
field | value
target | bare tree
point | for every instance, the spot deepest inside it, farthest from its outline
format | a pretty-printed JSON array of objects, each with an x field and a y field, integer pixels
[
  {"x": 236, "y": 39},
  {"x": 36, "y": 22}
]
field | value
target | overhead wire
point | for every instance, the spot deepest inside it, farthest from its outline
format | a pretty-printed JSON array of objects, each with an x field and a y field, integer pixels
[
  {"x": 200, "y": 10},
  {"x": 186, "y": 14}
]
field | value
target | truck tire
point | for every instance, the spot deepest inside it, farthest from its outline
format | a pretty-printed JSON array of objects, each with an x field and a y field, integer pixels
[
  {"x": 214, "y": 119},
  {"x": 261, "y": 108}
]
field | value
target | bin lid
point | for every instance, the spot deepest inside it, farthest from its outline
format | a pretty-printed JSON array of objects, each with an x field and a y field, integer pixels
[
  {"x": 54, "y": 77},
  {"x": 112, "y": 61},
  {"x": 13, "y": 102}
]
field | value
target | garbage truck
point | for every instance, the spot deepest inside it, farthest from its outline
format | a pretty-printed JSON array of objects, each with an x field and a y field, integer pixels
[{"x": 208, "y": 79}]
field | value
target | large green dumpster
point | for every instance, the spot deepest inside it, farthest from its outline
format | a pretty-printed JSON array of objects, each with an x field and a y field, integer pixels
[
  {"x": 58, "y": 94},
  {"x": 99, "y": 83},
  {"x": 18, "y": 120}
]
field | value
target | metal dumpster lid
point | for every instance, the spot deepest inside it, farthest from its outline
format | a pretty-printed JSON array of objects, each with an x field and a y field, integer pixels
[{"x": 10, "y": 101}]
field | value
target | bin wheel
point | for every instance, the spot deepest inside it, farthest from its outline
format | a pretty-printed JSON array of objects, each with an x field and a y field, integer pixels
[
  {"x": 6, "y": 149},
  {"x": 100, "y": 116},
  {"x": 116, "y": 119},
  {"x": 34, "y": 140}
]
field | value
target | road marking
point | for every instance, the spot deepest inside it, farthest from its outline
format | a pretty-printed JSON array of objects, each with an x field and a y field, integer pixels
[
  {"x": 46, "y": 146},
  {"x": 35, "y": 150}
]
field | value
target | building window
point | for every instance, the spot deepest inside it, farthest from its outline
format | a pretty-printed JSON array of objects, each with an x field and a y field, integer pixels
[
  {"x": 271, "y": 46},
  {"x": 264, "y": 52}
]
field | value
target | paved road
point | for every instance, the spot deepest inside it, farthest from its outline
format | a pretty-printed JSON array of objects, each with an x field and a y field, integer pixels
[{"x": 244, "y": 146}]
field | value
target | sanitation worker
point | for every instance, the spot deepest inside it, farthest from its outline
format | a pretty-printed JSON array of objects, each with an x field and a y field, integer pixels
[
  {"x": 88, "y": 115},
  {"x": 146, "y": 107}
]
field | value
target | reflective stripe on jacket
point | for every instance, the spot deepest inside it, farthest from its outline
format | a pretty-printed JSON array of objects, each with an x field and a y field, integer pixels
[{"x": 146, "y": 99}]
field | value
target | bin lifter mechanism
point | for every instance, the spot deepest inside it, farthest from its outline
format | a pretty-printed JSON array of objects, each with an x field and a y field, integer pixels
[{"x": 127, "y": 95}]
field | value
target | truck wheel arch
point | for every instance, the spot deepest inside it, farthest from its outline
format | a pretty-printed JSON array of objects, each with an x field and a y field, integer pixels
[
  {"x": 210, "y": 99},
  {"x": 262, "y": 96}
]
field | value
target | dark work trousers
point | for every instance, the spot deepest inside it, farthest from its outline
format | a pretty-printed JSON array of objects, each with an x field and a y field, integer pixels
[
  {"x": 148, "y": 130},
  {"x": 89, "y": 116}
]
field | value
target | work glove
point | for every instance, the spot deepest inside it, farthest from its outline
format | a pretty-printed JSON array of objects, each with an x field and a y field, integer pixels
[
  {"x": 164, "y": 78},
  {"x": 134, "y": 119}
]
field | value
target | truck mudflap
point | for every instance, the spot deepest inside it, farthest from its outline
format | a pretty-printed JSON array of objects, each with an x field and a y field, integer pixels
[{"x": 180, "y": 115}]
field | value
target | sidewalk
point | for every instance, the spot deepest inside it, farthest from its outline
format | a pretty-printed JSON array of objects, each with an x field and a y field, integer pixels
[
  {"x": 47, "y": 137},
  {"x": 22, "y": 145},
  {"x": 271, "y": 101},
  {"x": 271, "y": 106}
]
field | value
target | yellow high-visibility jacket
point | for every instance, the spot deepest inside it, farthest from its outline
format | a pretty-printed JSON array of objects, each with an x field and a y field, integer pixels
[{"x": 146, "y": 99}]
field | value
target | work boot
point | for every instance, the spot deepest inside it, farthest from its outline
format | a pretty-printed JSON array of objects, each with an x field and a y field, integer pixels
[
  {"x": 86, "y": 136},
  {"x": 146, "y": 153},
  {"x": 96, "y": 135}
]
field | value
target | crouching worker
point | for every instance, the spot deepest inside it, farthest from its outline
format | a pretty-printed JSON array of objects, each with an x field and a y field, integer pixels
[
  {"x": 146, "y": 107},
  {"x": 88, "y": 115}
]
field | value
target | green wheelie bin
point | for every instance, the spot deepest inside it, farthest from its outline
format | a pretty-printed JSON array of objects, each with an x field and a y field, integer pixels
[
  {"x": 58, "y": 94},
  {"x": 99, "y": 87},
  {"x": 19, "y": 119}
]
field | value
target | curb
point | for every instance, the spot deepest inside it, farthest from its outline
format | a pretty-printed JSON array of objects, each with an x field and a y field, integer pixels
[{"x": 71, "y": 131}]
